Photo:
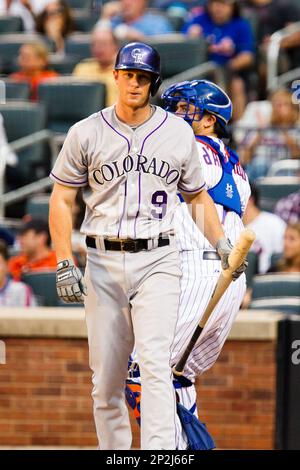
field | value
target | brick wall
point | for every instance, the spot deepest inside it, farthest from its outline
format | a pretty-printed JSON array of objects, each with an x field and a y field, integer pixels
[{"x": 45, "y": 390}]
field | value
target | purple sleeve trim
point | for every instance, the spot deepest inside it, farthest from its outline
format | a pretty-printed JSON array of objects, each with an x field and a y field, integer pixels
[
  {"x": 72, "y": 183},
  {"x": 193, "y": 191}
]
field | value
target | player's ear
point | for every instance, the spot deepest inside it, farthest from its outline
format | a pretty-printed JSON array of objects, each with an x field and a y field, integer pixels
[
  {"x": 209, "y": 120},
  {"x": 116, "y": 75}
]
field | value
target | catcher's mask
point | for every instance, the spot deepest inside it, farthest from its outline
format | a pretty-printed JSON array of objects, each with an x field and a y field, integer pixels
[{"x": 204, "y": 96}]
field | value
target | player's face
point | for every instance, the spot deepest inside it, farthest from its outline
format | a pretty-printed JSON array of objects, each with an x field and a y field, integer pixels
[
  {"x": 183, "y": 109},
  {"x": 134, "y": 87},
  {"x": 189, "y": 111},
  {"x": 201, "y": 125}
]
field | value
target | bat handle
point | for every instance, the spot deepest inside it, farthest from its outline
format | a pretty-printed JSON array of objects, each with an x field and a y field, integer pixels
[{"x": 179, "y": 367}]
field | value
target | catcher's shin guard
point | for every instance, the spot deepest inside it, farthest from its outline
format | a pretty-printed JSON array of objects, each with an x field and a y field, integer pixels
[{"x": 133, "y": 397}]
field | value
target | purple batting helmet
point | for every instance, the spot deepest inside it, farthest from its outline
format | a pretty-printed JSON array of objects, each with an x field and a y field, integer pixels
[{"x": 140, "y": 56}]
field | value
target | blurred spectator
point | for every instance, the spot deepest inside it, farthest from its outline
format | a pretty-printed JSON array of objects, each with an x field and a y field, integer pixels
[
  {"x": 35, "y": 253},
  {"x": 8, "y": 159},
  {"x": 257, "y": 114},
  {"x": 7, "y": 236},
  {"x": 104, "y": 48},
  {"x": 269, "y": 230},
  {"x": 12, "y": 293},
  {"x": 230, "y": 44},
  {"x": 290, "y": 262},
  {"x": 21, "y": 8},
  {"x": 184, "y": 4},
  {"x": 25, "y": 9},
  {"x": 273, "y": 15},
  {"x": 134, "y": 21},
  {"x": 33, "y": 63},
  {"x": 259, "y": 149},
  {"x": 288, "y": 208},
  {"x": 56, "y": 22}
]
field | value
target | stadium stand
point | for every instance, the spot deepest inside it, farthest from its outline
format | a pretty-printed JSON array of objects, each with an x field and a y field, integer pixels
[
  {"x": 273, "y": 188},
  {"x": 287, "y": 167},
  {"x": 78, "y": 45},
  {"x": 276, "y": 285},
  {"x": 10, "y": 24},
  {"x": 68, "y": 100},
  {"x": 21, "y": 119},
  {"x": 10, "y": 45},
  {"x": 280, "y": 304},
  {"x": 44, "y": 288},
  {"x": 37, "y": 206},
  {"x": 16, "y": 90}
]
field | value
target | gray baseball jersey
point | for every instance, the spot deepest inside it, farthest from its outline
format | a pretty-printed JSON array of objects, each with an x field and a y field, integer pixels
[{"x": 129, "y": 175}]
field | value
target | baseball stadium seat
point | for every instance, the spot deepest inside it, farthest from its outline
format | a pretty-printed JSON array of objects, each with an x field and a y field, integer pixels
[
  {"x": 280, "y": 304},
  {"x": 252, "y": 268},
  {"x": 21, "y": 119},
  {"x": 84, "y": 20},
  {"x": 68, "y": 100},
  {"x": 38, "y": 206},
  {"x": 178, "y": 53},
  {"x": 79, "y": 46},
  {"x": 10, "y": 45},
  {"x": 43, "y": 284},
  {"x": 80, "y": 4},
  {"x": 10, "y": 24},
  {"x": 64, "y": 65},
  {"x": 275, "y": 258},
  {"x": 273, "y": 188},
  {"x": 288, "y": 167},
  {"x": 275, "y": 285},
  {"x": 16, "y": 90}
]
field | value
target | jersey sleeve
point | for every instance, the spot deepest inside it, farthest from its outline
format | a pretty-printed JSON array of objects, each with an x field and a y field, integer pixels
[
  {"x": 192, "y": 180},
  {"x": 70, "y": 168}
]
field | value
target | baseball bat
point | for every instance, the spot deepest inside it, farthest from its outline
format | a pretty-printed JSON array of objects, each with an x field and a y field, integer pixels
[{"x": 235, "y": 259}]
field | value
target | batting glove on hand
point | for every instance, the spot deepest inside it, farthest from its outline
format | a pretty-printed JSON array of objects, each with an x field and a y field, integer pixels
[
  {"x": 224, "y": 248},
  {"x": 69, "y": 282}
]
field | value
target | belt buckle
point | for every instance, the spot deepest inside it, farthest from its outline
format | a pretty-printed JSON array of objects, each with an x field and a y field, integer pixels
[{"x": 131, "y": 246}]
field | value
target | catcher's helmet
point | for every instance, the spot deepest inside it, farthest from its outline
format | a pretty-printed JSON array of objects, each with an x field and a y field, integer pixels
[
  {"x": 204, "y": 95},
  {"x": 140, "y": 56}
]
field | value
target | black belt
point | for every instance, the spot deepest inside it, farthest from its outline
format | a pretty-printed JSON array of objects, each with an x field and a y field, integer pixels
[{"x": 133, "y": 246}]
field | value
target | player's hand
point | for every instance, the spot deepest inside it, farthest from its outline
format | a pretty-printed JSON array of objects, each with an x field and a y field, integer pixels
[
  {"x": 239, "y": 271},
  {"x": 224, "y": 248},
  {"x": 69, "y": 282}
]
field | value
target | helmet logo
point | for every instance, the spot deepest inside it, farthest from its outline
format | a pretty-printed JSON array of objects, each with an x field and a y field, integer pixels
[{"x": 137, "y": 55}]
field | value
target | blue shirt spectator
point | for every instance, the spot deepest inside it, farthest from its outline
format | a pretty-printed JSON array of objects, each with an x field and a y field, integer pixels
[
  {"x": 230, "y": 45},
  {"x": 225, "y": 40},
  {"x": 133, "y": 21},
  {"x": 149, "y": 24}
]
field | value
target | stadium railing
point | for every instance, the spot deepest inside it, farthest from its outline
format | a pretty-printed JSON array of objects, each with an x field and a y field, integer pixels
[{"x": 274, "y": 80}]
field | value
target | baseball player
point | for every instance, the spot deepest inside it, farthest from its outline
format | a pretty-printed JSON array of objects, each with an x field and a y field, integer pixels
[
  {"x": 130, "y": 159},
  {"x": 207, "y": 108}
]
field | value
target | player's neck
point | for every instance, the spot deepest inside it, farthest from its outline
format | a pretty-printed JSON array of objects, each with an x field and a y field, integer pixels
[{"x": 133, "y": 116}]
